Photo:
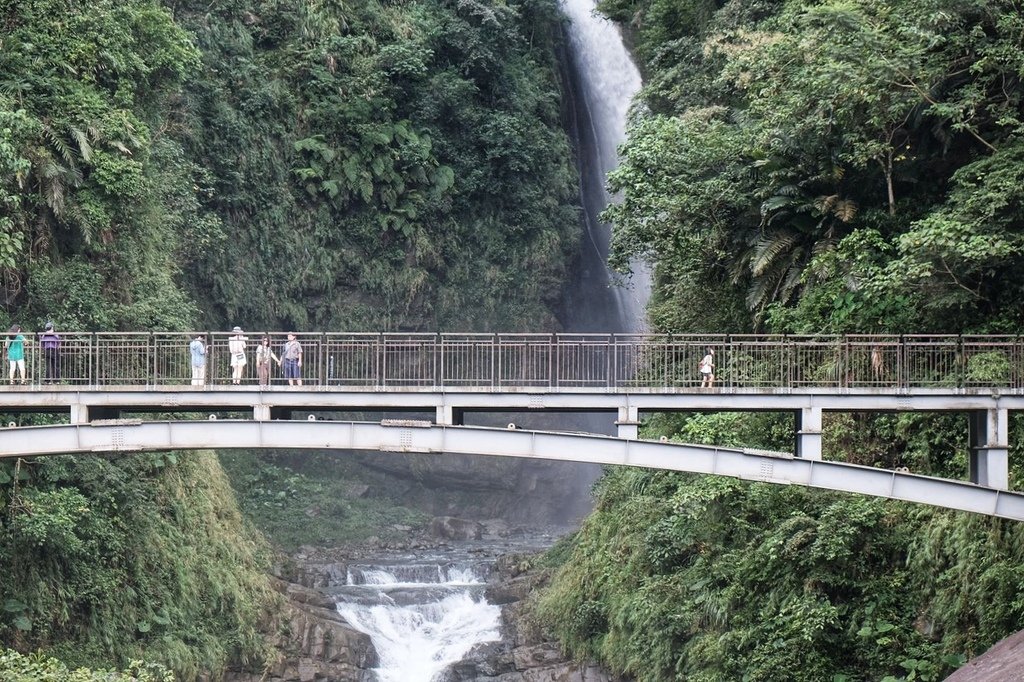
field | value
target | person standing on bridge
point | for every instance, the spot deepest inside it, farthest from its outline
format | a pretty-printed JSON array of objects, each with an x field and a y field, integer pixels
[
  {"x": 264, "y": 354},
  {"x": 236, "y": 346},
  {"x": 291, "y": 358},
  {"x": 49, "y": 341},
  {"x": 707, "y": 369},
  {"x": 197, "y": 349},
  {"x": 15, "y": 345}
]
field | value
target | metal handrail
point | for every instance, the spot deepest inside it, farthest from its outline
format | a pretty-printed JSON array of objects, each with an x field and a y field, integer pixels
[{"x": 615, "y": 362}]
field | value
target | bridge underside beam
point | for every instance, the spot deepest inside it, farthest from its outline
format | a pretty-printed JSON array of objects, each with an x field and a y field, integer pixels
[
  {"x": 407, "y": 436},
  {"x": 990, "y": 449}
]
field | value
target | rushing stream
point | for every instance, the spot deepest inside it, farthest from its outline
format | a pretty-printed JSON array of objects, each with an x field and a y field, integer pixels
[
  {"x": 425, "y": 613},
  {"x": 422, "y": 612}
]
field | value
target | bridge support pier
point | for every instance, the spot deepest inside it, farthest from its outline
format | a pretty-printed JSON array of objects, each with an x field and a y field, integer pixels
[
  {"x": 446, "y": 415},
  {"x": 990, "y": 460},
  {"x": 628, "y": 423},
  {"x": 808, "y": 433}
]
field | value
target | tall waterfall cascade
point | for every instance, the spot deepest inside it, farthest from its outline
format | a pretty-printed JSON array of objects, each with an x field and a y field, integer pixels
[
  {"x": 603, "y": 80},
  {"x": 424, "y": 617}
]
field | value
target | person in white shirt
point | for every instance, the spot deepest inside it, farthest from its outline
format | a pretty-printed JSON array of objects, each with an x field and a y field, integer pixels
[
  {"x": 707, "y": 369},
  {"x": 236, "y": 346}
]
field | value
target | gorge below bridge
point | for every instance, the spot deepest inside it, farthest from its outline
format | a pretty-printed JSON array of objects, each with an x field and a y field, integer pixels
[{"x": 133, "y": 392}]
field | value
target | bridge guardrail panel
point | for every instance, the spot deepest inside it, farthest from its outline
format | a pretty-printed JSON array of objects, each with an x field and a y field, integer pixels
[
  {"x": 640, "y": 360},
  {"x": 526, "y": 360},
  {"x": 124, "y": 358},
  {"x": 172, "y": 360},
  {"x": 989, "y": 361},
  {"x": 816, "y": 361},
  {"x": 312, "y": 370},
  {"x": 933, "y": 361},
  {"x": 353, "y": 359},
  {"x": 758, "y": 361},
  {"x": 872, "y": 361},
  {"x": 467, "y": 360},
  {"x": 583, "y": 360},
  {"x": 409, "y": 360},
  {"x": 74, "y": 363}
]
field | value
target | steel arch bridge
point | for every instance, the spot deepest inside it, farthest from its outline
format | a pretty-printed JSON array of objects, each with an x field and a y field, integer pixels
[
  {"x": 411, "y": 436},
  {"x": 93, "y": 378}
]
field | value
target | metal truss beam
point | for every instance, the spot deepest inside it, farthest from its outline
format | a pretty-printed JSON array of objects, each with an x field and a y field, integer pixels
[{"x": 120, "y": 436}]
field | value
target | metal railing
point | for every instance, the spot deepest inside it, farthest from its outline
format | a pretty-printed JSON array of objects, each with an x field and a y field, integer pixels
[{"x": 513, "y": 361}]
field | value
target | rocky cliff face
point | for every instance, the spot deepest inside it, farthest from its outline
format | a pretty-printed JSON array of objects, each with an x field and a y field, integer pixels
[
  {"x": 524, "y": 653},
  {"x": 313, "y": 641}
]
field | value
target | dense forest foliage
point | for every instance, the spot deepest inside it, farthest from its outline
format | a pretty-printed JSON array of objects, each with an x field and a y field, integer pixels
[
  {"x": 282, "y": 164},
  {"x": 172, "y": 164},
  {"x": 798, "y": 166},
  {"x": 828, "y": 166},
  {"x": 121, "y": 558}
]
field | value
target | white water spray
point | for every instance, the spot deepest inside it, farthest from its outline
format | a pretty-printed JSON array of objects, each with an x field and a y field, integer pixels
[
  {"x": 607, "y": 80},
  {"x": 441, "y": 619}
]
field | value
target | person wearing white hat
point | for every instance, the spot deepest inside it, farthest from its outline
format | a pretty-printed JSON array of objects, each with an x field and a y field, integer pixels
[{"x": 236, "y": 346}]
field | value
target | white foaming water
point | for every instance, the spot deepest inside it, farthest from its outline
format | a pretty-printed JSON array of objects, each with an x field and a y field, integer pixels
[
  {"x": 608, "y": 81},
  {"x": 417, "y": 641},
  {"x": 609, "y": 76}
]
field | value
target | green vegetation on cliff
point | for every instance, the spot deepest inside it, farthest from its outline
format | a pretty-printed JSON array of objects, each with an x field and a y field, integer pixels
[
  {"x": 111, "y": 559},
  {"x": 315, "y": 165},
  {"x": 811, "y": 167},
  {"x": 847, "y": 165},
  {"x": 305, "y": 165}
]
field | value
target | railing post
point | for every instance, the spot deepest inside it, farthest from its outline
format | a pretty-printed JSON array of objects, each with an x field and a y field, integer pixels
[
  {"x": 441, "y": 362},
  {"x": 787, "y": 362},
  {"x": 381, "y": 360},
  {"x": 961, "y": 362},
  {"x": 613, "y": 379},
  {"x": 553, "y": 345},
  {"x": 321, "y": 360},
  {"x": 902, "y": 373},
  {"x": 95, "y": 355},
  {"x": 494, "y": 361}
]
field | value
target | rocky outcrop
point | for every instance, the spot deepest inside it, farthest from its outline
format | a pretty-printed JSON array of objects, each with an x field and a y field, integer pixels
[
  {"x": 524, "y": 653},
  {"x": 314, "y": 643},
  {"x": 451, "y": 528}
]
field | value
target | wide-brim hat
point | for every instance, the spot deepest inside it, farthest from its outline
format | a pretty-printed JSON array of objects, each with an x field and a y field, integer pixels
[{"x": 237, "y": 330}]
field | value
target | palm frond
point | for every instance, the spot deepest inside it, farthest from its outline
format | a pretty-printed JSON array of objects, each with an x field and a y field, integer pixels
[
  {"x": 84, "y": 148},
  {"x": 769, "y": 249}
]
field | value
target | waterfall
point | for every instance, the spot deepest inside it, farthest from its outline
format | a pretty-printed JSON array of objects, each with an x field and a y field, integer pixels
[
  {"x": 602, "y": 82},
  {"x": 421, "y": 617}
]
